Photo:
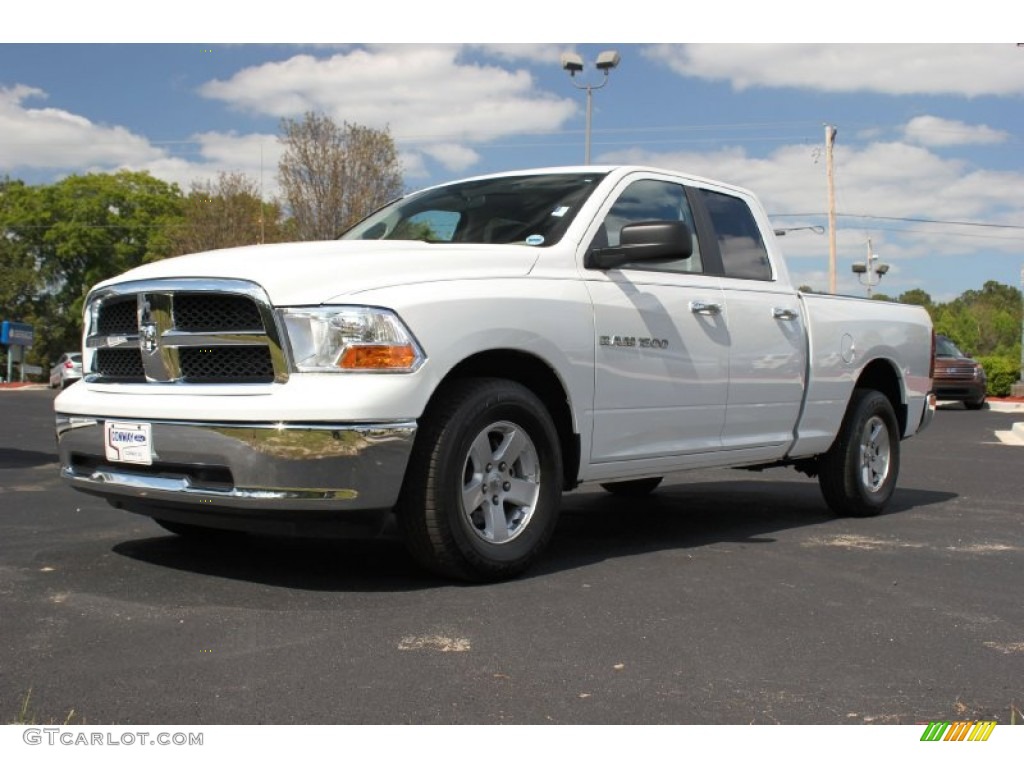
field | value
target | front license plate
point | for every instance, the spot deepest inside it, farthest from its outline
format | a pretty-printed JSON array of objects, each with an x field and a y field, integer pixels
[{"x": 130, "y": 442}]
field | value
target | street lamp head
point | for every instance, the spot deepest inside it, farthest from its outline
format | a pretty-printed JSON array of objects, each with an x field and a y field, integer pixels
[
  {"x": 572, "y": 63},
  {"x": 606, "y": 61},
  {"x": 860, "y": 269},
  {"x": 881, "y": 269}
]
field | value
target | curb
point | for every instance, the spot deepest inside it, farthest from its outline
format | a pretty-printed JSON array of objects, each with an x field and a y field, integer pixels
[
  {"x": 18, "y": 386},
  {"x": 1005, "y": 407}
]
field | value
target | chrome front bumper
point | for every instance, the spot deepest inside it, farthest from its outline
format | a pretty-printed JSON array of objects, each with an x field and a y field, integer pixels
[{"x": 244, "y": 466}]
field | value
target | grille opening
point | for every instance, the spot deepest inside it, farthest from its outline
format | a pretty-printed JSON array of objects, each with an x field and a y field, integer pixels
[
  {"x": 243, "y": 364},
  {"x": 120, "y": 364},
  {"x": 210, "y": 476},
  {"x": 199, "y": 312},
  {"x": 118, "y": 317}
]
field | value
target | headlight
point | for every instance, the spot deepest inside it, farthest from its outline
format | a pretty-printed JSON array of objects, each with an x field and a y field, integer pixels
[{"x": 350, "y": 339}]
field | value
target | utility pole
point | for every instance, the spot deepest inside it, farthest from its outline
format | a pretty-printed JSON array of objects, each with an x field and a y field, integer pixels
[{"x": 830, "y": 140}]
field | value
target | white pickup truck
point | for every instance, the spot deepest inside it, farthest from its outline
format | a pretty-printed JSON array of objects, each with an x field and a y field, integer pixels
[{"x": 468, "y": 352}]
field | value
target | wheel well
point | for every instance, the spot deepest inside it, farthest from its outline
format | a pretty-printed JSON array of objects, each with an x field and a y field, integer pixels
[
  {"x": 537, "y": 376},
  {"x": 880, "y": 376}
]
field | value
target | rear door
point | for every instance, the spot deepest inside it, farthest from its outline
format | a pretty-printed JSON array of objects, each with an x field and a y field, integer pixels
[{"x": 767, "y": 350}]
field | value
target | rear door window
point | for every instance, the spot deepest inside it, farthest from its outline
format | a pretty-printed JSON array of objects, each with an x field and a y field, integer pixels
[{"x": 739, "y": 240}]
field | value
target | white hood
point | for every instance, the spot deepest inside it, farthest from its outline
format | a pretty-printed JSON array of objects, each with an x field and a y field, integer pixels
[{"x": 312, "y": 273}]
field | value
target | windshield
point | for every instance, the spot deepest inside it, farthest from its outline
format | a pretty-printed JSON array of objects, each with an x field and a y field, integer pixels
[
  {"x": 533, "y": 210},
  {"x": 946, "y": 348}
]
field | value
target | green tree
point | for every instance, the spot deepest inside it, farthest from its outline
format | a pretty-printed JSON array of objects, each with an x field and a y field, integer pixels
[
  {"x": 19, "y": 277},
  {"x": 102, "y": 225},
  {"x": 916, "y": 296},
  {"x": 19, "y": 280},
  {"x": 75, "y": 233},
  {"x": 985, "y": 322}
]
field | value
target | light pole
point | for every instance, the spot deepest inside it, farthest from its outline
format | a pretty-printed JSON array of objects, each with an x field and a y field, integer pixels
[
  {"x": 870, "y": 269},
  {"x": 605, "y": 63}
]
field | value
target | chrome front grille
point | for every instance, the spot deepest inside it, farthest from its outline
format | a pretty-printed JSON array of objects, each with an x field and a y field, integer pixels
[{"x": 187, "y": 331}]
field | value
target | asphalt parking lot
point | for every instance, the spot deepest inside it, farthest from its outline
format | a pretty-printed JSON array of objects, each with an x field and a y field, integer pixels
[{"x": 726, "y": 597}]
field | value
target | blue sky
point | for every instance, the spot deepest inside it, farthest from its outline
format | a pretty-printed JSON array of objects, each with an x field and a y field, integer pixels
[{"x": 925, "y": 131}]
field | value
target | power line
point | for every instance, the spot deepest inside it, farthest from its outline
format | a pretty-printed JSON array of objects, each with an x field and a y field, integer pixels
[
  {"x": 903, "y": 218},
  {"x": 935, "y": 221}
]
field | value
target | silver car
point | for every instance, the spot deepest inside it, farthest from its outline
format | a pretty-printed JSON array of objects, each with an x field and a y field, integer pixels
[{"x": 67, "y": 371}]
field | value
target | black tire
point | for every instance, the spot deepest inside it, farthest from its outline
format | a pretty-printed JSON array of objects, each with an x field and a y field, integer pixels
[
  {"x": 633, "y": 488},
  {"x": 858, "y": 474},
  {"x": 464, "y": 513},
  {"x": 975, "y": 405}
]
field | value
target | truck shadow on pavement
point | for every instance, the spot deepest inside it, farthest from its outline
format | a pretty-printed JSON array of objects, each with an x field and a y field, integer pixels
[
  {"x": 13, "y": 458},
  {"x": 594, "y": 527}
]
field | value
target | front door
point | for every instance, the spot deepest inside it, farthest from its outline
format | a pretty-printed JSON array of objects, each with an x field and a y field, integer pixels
[{"x": 662, "y": 345}]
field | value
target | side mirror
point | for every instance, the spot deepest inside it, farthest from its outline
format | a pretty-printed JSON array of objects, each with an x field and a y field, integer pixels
[{"x": 644, "y": 241}]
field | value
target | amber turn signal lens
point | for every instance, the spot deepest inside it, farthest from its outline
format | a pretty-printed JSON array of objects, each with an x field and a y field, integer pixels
[{"x": 378, "y": 357}]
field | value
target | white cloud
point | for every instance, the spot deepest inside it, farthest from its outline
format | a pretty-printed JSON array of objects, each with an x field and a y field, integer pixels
[
  {"x": 539, "y": 53},
  {"x": 61, "y": 141},
  {"x": 931, "y": 131},
  {"x": 966, "y": 70},
  {"x": 427, "y": 96},
  {"x": 255, "y": 155},
  {"x": 54, "y": 138},
  {"x": 413, "y": 165},
  {"x": 454, "y": 157}
]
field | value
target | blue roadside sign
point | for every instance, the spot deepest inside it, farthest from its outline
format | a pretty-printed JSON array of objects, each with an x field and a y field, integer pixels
[{"x": 16, "y": 334}]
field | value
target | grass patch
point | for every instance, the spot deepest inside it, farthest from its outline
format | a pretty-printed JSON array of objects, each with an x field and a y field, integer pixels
[{"x": 26, "y": 716}]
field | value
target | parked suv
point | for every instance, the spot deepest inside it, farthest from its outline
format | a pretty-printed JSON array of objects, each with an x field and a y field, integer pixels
[
  {"x": 958, "y": 376},
  {"x": 67, "y": 371}
]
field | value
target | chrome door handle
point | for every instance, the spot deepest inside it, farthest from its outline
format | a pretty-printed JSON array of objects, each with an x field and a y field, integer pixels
[
  {"x": 784, "y": 313},
  {"x": 705, "y": 308}
]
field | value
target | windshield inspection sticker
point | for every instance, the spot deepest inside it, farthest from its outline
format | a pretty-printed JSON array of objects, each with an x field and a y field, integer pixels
[
  {"x": 535, "y": 240},
  {"x": 128, "y": 442}
]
